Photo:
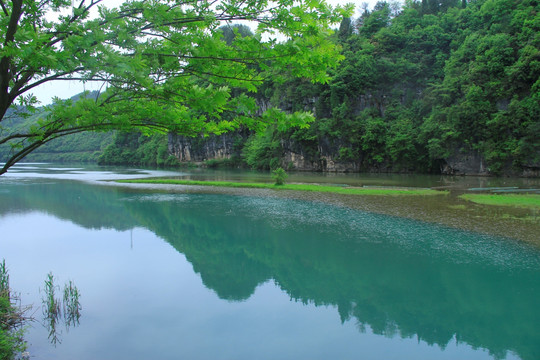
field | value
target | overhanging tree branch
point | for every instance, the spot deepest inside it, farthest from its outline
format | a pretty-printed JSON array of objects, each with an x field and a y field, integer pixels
[
  {"x": 4, "y": 9},
  {"x": 157, "y": 57}
]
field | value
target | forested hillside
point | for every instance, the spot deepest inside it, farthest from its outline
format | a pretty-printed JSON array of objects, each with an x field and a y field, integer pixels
[
  {"x": 83, "y": 147},
  {"x": 424, "y": 88},
  {"x": 435, "y": 86}
]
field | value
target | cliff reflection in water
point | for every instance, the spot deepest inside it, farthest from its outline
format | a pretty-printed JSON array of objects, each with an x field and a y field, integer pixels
[{"x": 399, "y": 277}]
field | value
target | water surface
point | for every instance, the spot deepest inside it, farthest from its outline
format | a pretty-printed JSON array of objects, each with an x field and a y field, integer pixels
[{"x": 169, "y": 275}]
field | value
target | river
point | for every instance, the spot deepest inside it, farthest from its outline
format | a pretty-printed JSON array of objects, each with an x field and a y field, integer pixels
[{"x": 203, "y": 273}]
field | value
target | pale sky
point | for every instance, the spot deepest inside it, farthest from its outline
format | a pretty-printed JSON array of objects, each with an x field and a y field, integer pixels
[{"x": 66, "y": 89}]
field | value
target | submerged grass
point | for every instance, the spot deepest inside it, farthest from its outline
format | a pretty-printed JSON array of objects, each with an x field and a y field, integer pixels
[
  {"x": 515, "y": 200},
  {"x": 296, "y": 187}
]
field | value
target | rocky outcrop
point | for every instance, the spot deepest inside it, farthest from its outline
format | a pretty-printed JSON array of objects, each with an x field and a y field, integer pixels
[
  {"x": 465, "y": 163},
  {"x": 324, "y": 157},
  {"x": 473, "y": 163},
  {"x": 531, "y": 168},
  {"x": 294, "y": 156},
  {"x": 199, "y": 149},
  {"x": 296, "y": 161}
]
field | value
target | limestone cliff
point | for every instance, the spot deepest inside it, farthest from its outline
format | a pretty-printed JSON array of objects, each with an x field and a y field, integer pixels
[
  {"x": 325, "y": 158},
  {"x": 200, "y": 149}
]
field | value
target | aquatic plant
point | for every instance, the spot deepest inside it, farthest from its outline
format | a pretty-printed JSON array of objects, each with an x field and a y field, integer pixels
[
  {"x": 54, "y": 309},
  {"x": 51, "y": 308},
  {"x": 72, "y": 306}
]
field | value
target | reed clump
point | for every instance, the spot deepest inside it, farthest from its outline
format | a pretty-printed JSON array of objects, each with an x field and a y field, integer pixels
[{"x": 55, "y": 309}]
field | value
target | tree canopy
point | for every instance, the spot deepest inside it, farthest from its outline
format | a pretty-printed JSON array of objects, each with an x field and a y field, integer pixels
[
  {"x": 421, "y": 89},
  {"x": 165, "y": 65}
]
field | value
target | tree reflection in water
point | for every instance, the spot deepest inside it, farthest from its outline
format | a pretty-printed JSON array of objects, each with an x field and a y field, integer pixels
[{"x": 396, "y": 276}]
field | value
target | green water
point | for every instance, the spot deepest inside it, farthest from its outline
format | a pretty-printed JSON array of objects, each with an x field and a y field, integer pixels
[{"x": 169, "y": 275}]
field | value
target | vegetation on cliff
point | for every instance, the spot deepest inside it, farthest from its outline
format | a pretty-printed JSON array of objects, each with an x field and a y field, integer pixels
[
  {"x": 418, "y": 86},
  {"x": 421, "y": 85},
  {"x": 419, "y": 89}
]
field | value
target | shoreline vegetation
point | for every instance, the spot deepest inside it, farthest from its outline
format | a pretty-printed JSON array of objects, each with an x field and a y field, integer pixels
[
  {"x": 338, "y": 189},
  {"x": 13, "y": 319}
]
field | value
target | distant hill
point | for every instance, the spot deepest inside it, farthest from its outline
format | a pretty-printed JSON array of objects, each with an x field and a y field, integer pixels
[{"x": 83, "y": 147}]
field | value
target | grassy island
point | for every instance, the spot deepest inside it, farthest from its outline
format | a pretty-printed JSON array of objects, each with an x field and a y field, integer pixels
[
  {"x": 515, "y": 200},
  {"x": 338, "y": 189}
]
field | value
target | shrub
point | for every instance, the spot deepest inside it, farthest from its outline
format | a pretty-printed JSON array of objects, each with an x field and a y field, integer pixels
[
  {"x": 263, "y": 150},
  {"x": 279, "y": 176}
]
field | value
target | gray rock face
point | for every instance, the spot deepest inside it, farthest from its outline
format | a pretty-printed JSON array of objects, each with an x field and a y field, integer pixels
[
  {"x": 531, "y": 168},
  {"x": 465, "y": 163},
  {"x": 295, "y": 159},
  {"x": 199, "y": 149},
  {"x": 473, "y": 163},
  {"x": 325, "y": 157}
]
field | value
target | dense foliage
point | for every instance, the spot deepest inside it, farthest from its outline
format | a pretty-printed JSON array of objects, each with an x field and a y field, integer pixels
[
  {"x": 163, "y": 64},
  {"x": 420, "y": 85},
  {"x": 137, "y": 149}
]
